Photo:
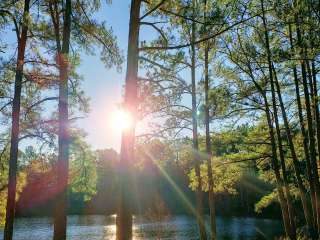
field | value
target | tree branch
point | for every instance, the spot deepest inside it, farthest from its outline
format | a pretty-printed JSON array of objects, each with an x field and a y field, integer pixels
[
  {"x": 157, "y": 29},
  {"x": 14, "y": 22},
  {"x": 152, "y": 10},
  {"x": 38, "y": 103},
  {"x": 198, "y": 41}
]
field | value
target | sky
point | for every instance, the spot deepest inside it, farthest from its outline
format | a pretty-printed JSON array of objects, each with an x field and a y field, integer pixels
[{"x": 105, "y": 86}]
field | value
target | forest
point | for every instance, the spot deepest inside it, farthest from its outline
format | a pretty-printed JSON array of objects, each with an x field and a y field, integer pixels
[{"x": 218, "y": 119}]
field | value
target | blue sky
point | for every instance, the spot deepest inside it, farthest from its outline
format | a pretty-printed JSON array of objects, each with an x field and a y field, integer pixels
[{"x": 105, "y": 86}]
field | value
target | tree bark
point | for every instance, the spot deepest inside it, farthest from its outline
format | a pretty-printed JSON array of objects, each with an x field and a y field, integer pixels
[
  {"x": 13, "y": 160},
  {"x": 199, "y": 193},
  {"x": 208, "y": 142},
  {"x": 310, "y": 131},
  {"x": 61, "y": 207},
  {"x": 314, "y": 101},
  {"x": 290, "y": 230},
  {"x": 283, "y": 167},
  {"x": 275, "y": 165},
  {"x": 305, "y": 137},
  {"x": 302, "y": 189},
  {"x": 276, "y": 169},
  {"x": 316, "y": 106},
  {"x": 281, "y": 152},
  {"x": 124, "y": 212}
]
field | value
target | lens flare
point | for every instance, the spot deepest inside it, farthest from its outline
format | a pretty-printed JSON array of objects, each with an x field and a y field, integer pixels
[{"x": 122, "y": 120}]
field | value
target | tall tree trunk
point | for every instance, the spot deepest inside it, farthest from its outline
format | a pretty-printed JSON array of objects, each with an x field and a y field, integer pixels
[
  {"x": 305, "y": 138},
  {"x": 281, "y": 152},
  {"x": 276, "y": 169},
  {"x": 209, "y": 153},
  {"x": 310, "y": 131},
  {"x": 313, "y": 80},
  {"x": 61, "y": 207},
  {"x": 283, "y": 165},
  {"x": 290, "y": 230},
  {"x": 314, "y": 101},
  {"x": 124, "y": 212},
  {"x": 197, "y": 159},
  {"x": 316, "y": 105},
  {"x": 13, "y": 160},
  {"x": 274, "y": 160},
  {"x": 302, "y": 190},
  {"x": 208, "y": 141}
]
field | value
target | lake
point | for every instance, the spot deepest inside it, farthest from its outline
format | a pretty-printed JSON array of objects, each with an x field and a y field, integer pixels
[{"x": 97, "y": 227}]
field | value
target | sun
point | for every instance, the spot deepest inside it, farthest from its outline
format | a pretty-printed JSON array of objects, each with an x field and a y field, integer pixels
[{"x": 122, "y": 120}]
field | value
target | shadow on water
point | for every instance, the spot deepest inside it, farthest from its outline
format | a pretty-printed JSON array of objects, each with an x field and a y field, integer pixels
[{"x": 97, "y": 227}]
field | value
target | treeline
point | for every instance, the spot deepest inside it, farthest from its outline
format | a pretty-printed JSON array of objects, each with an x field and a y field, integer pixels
[{"x": 156, "y": 183}]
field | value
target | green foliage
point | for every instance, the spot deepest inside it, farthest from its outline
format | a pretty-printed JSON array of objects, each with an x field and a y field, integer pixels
[
  {"x": 89, "y": 33},
  {"x": 3, "y": 184},
  {"x": 83, "y": 175},
  {"x": 266, "y": 201},
  {"x": 224, "y": 178},
  {"x": 155, "y": 152},
  {"x": 21, "y": 182}
]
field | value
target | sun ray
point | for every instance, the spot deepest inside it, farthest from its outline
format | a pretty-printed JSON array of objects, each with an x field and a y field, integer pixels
[
  {"x": 174, "y": 185},
  {"x": 122, "y": 120}
]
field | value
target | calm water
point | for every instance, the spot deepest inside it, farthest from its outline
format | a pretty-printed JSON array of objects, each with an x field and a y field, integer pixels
[{"x": 177, "y": 227}]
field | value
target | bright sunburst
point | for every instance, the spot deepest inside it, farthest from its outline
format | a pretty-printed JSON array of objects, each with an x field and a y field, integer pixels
[{"x": 122, "y": 119}]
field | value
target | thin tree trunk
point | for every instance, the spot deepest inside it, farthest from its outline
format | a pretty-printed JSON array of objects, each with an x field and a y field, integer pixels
[
  {"x": 209, "y": 154},
  {"x": 302, "y": 190},
  {"x": 274, "y": 159},
  {"x": 124, "y": 212},
  {"x": 275, "y": 165},
  {"x": 314, "y": 102},
  {"x": 316, "y": 106},
  {"x": 290, "y": 230},
  {"x": 281, "y": 155},
  {"x": 313, "y": 160},
  {"x": 61, "y": 207},
  {"x": 208, "y": 141},
  {"x": 199, "y": 194},
  {"x": 283, "y": 168},
  {"x": 13, "y": 160},
  {"x": 305, "y": 139},
  {"x": 313, "y": 86}
]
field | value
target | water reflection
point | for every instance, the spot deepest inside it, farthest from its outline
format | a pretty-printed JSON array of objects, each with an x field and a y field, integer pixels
[{"x": 96, "y": 227}]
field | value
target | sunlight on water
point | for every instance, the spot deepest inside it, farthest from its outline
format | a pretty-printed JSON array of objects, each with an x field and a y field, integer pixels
[
  {"x": 110, "y": 232},
  {"x": 97, "y": 227}
]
